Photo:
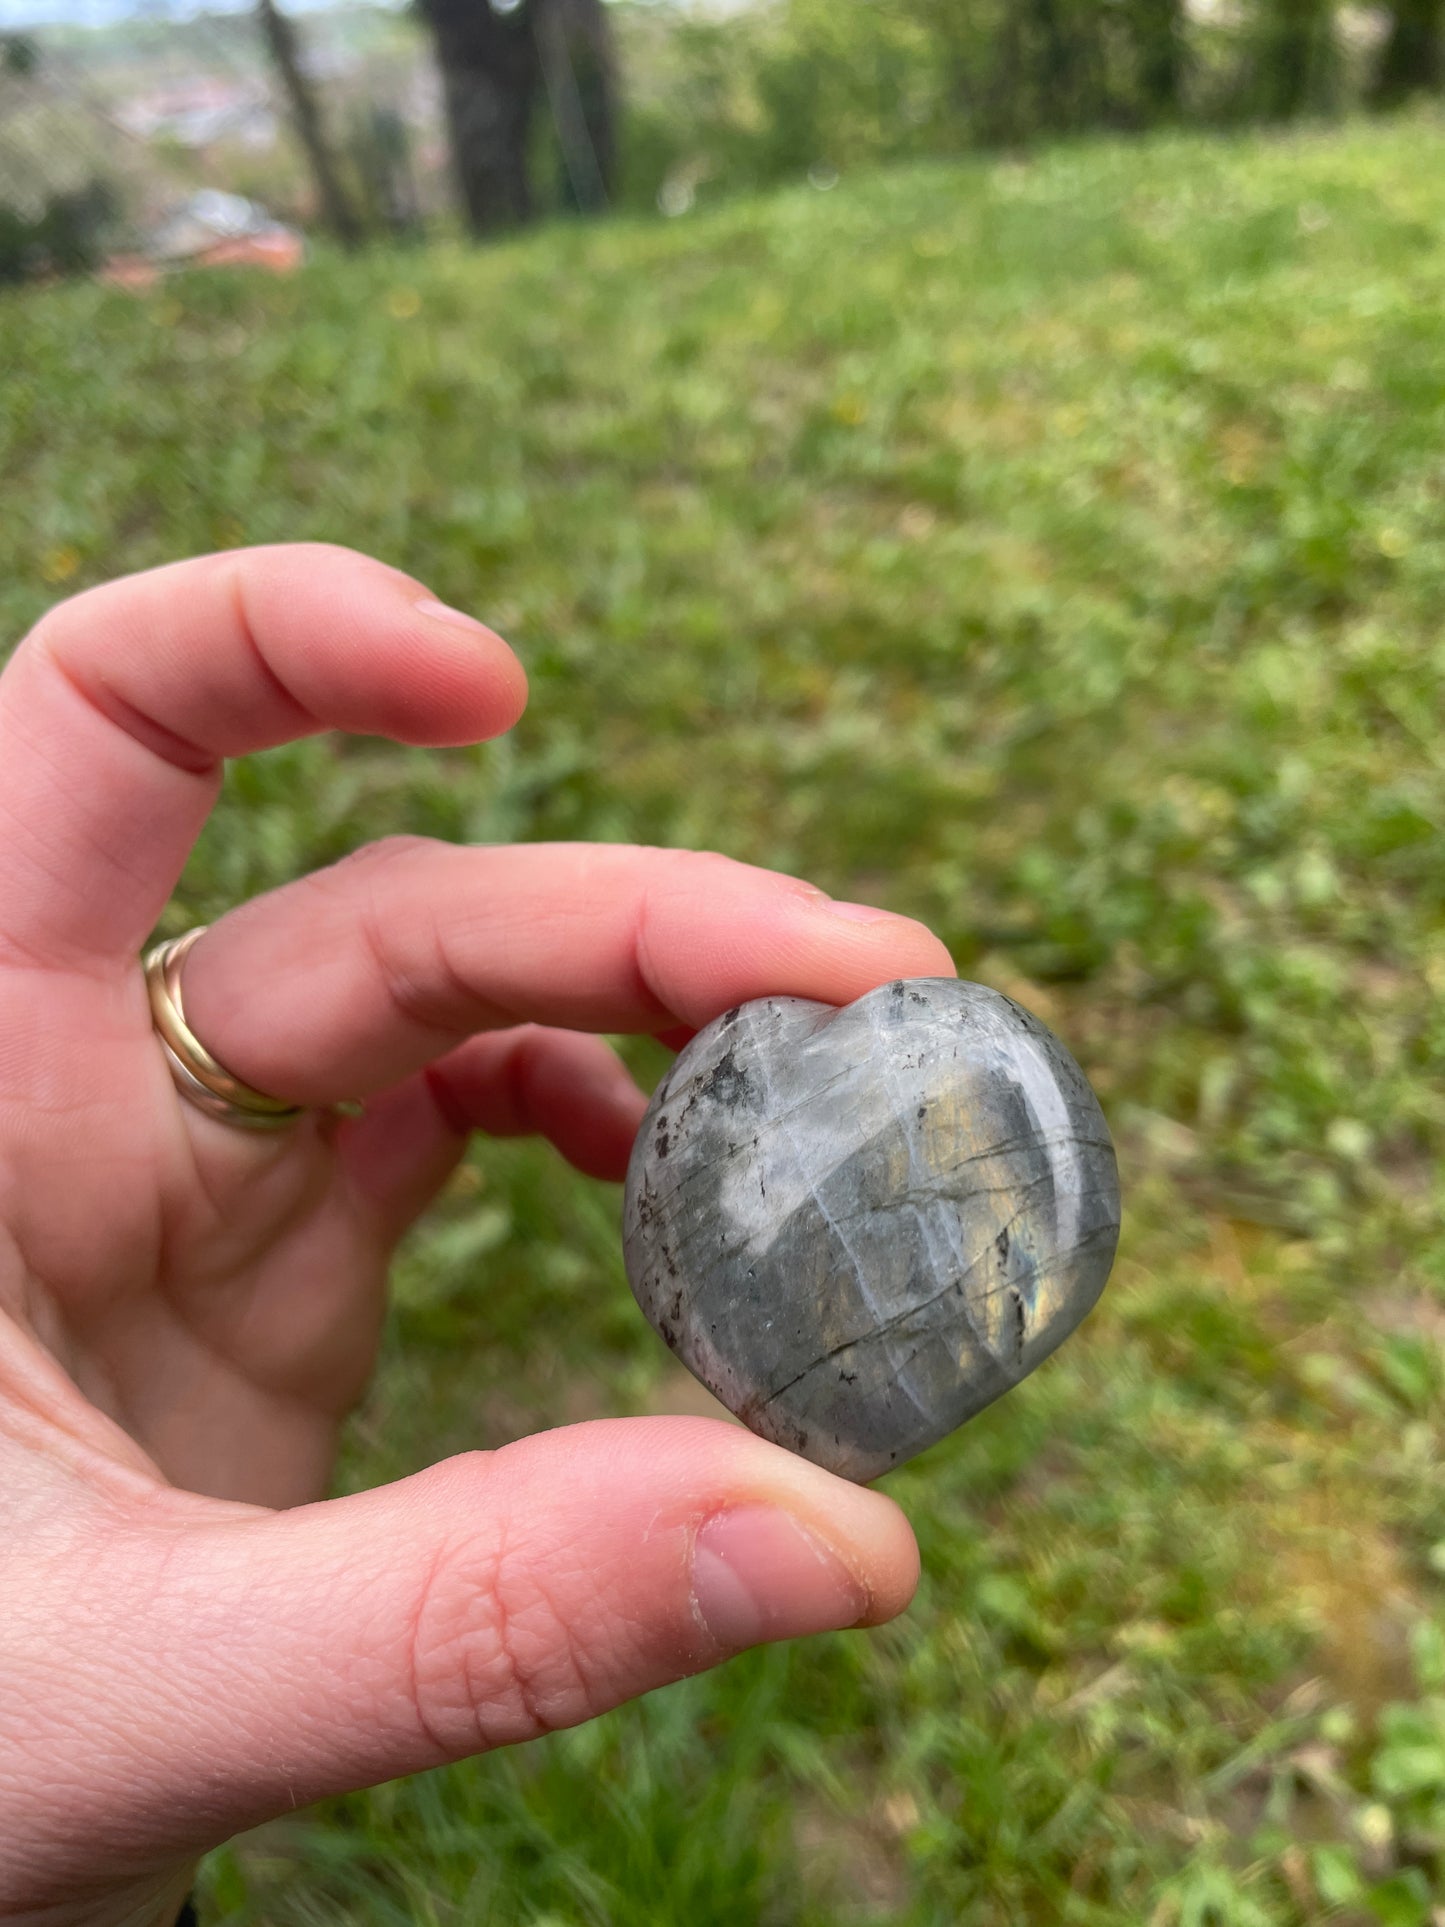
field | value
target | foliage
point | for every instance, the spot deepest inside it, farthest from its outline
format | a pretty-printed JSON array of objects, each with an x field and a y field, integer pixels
[
  {"x": 66, "y": 235},
  {"x": 1051, "y": 549},
  {"x": 1413, "y": 60},
  {"x": 18, "y": 54},
  {"x": 740, "y": 99},
  {"x": 1294, "y": 59}
]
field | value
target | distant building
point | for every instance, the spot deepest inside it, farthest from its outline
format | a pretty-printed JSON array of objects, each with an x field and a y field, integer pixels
[
  {"x": 59, "y": 146},
  {"x": 200, "y": 109}
]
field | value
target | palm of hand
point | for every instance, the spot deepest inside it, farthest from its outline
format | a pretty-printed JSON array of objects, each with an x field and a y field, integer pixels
[{"x": 218, "y": 1299}]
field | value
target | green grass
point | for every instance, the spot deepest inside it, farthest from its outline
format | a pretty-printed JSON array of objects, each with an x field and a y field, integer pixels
[{"x": 1055, "y": 551}]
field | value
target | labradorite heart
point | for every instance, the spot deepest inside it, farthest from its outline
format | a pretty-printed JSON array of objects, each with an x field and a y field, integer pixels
[{"x": 858, "y": 1227}]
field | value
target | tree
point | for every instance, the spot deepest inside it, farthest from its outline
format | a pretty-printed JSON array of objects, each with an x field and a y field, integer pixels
[
  {"x": 337, "y": 210},
  {"x": 380, "y": 149},
  {"x": 1158, "y": 28},
  {"x": 18, "y": 54},
  {"x": 499, "y": 60},
  {"x": 1413, "y": 60},
  {"x": 1045, "y": 71},
  {"x": 1063, "y": 63},
  {"x": 579, "y": 74},
  {"x": 66, "y": 235},
  {"x": 1296, "y": 58}
]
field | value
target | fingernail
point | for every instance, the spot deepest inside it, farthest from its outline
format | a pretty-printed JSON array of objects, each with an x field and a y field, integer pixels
[
  {"x": 458, "y": 618},
  {"x": 757, "y": 1574}
]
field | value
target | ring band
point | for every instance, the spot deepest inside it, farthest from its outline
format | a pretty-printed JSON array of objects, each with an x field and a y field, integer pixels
[{"x": 197, "y": 1075}]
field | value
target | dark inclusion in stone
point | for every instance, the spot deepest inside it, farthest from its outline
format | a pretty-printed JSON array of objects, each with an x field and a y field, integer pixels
[{"x": 858, "y": 1227}]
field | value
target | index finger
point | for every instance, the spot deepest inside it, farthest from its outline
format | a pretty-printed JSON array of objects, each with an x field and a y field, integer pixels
[{"x": 118, "y": 709}]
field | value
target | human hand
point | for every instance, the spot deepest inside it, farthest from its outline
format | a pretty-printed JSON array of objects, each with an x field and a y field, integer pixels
[{"x": 189, "y": 1642}]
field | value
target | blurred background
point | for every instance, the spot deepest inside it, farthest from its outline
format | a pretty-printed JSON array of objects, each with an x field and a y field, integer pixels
[
  {"x": 380, "y": 120},
  {"x": 989, "y": 459}
]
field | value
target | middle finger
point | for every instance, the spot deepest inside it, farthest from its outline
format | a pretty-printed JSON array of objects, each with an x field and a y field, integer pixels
[{"x": 351, "y": 979}]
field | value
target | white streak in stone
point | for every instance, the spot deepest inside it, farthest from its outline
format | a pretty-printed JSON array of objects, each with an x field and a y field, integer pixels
[
  {"x": 812, "y": 1188},
  {"x": 1037, "y": 1080},
  {"x": 941, "y": 1215}
]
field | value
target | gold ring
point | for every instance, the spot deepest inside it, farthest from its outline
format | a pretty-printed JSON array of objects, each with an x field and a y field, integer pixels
[{"x": 197, "y": 1075}]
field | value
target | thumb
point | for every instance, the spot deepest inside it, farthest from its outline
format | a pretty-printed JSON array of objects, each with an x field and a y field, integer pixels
[{"x": 283, "y": 1657}]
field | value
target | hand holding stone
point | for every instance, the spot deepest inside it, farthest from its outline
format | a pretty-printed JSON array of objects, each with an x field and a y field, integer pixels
[{"x": 191, "y": 1641}]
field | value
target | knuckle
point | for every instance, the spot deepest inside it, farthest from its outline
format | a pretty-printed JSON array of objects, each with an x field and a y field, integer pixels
[
  {"x": 494, "y": 1659},
  {"x": 403, "y": 950}
]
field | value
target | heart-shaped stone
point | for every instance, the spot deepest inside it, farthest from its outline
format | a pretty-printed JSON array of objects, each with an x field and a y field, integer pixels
[{"x": 858, "y": 1227}]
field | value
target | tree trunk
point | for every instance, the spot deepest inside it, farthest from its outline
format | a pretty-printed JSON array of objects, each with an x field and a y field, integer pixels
[
  {"x": 1057, "y": 67},
  {"x": 336, "y": 208},
  {"x": 1159, "y": 31},
  {"x": 1414, "y": 57},
  {"x": 1003, "y": 117},
  {"x": 496, "y": 68},
  {"x": 489, "y": 119},
  {"x": 1295, "y": 56},
  {"x": 381, "y": 148},
  {"x": 575, "y": 49},
  {"x": 1068, "y": 65}
]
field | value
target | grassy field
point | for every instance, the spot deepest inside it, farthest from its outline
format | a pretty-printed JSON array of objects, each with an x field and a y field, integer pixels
[{"x": 1055, "y": 551}]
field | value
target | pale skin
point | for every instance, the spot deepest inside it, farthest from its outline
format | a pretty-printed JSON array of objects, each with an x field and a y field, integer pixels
[{"x": 192, "y": 1639}]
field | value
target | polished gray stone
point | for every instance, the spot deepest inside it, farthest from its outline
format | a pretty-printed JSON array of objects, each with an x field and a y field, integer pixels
[{"x": 858, "y": 1227}]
